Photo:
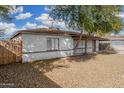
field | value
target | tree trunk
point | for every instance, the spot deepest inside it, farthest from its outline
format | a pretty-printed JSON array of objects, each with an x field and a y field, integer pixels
[
  {"x": 86, "y": 46},
  {"x": 77, "y": 43}
]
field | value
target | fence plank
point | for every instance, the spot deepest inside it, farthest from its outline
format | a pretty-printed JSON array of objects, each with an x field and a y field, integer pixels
[{"x": 10, "y": 51}]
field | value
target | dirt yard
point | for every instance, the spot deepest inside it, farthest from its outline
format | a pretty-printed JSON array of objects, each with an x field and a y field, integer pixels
[{"x": 87, "y": 71}]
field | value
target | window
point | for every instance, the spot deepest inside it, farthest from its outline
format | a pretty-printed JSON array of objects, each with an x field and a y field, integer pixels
[
  {"x": 81, "y": 43},
  {"x": 52, "y": 43}
]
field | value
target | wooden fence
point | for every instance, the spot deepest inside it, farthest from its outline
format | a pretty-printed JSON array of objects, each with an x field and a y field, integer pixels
[{"x": 10, "y": 51}]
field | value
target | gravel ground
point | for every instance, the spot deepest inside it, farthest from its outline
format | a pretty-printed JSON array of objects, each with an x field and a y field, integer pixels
[{"x": 88, "y": 71}]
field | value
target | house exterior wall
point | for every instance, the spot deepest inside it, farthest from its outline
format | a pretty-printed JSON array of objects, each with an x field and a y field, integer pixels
[
  {"x": 35, "y": 47},
  {"x": 97, "y": 45},
  {"x": 104, "y": 45},
  {"x": 80, "y": 48},
  {"x": 89, "y": 46}
]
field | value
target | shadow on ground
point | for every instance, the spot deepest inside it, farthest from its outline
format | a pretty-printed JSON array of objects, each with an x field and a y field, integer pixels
[
  {"x": 108, "y": 51},
  {"x": 58, "y": 63},
  {"x": 49, "y": 65},
  {"x": 24, "y": 75},
  {"x": 32, "y": 75},
  {"x": 81, "y": 58}
]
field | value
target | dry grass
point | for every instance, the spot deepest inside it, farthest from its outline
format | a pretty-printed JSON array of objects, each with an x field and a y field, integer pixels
[{"x": 87, "y": 71}]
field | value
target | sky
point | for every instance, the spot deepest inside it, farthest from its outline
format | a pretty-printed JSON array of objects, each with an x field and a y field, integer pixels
[{"x": 32, "y": 17}]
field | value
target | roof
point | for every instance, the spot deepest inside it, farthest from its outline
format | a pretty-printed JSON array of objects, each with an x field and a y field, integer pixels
[
  {"x": 116, "y": 37},
  {"x": 45, "y": 31}
]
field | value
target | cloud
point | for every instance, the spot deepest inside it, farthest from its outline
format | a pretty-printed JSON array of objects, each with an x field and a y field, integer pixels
[
  {"x": 6, "y": 26},
  {"x": 121, "y": 14},
  {"x": 30, "y": 25},
  {"x": 16, "y": 9},
  {"x": 23, "y": 16},
  {"x": 43, "y": 17},
  {"x": 46, "y": 20},
  {"x": 41, "y": 26},
  {"x": 7, "y": 29},
  {"x": 47, "y": 9}
]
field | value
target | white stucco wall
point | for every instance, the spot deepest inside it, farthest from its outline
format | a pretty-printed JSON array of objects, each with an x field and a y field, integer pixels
[
  {"x": 89, "y": 46},
  {"x": 80, "y": 48},
  {"x": 45, "y": 55},
  {"x": 38, "y": 44},
  {"x": 34, "y": 47},
  {"x": 97, "y": 45}
]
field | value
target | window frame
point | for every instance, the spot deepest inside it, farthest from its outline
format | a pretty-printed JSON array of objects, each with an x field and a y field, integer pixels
[{"x": 53, "y": 44}]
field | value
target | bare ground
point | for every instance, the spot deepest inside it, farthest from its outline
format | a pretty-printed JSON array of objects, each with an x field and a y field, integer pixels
[{"x": 81, "y": 71}]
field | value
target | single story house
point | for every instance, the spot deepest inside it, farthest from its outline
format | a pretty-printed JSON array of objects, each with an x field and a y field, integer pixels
[{"x": 40, "y": 44}]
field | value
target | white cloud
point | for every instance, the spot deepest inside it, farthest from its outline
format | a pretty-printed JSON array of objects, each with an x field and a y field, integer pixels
[
  {"x": 43, "y": 17},
  {"x": 30, "y": 25},
  {"x": 16, "y": 9},
  {"x": 19, "y": 9},
  {"x": 121, "y": 14},
  {"x": 41, "y": 26},
  {"x": 47, "y": 9},
  {"x": 7, "y": 28},
  {"x": 46, "y": 20},
  {"x": 23, "y": 16}
]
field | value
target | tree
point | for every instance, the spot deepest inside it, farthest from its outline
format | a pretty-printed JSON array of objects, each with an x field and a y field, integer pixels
[
  {"x": 94, "y": 20},
  {"x": 4, "y": 14}
]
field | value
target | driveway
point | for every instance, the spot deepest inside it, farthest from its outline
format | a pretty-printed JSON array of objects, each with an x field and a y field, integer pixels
[{"x": 82, "y": 71}]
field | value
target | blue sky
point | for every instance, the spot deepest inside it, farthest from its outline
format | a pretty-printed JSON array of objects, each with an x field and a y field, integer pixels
[
  {"x": 31, "y": 17},
  {"x": 35, "y": 10}
]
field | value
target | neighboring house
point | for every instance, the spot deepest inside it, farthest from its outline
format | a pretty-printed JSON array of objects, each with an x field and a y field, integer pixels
[{"x": 40, "y": 44}]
